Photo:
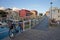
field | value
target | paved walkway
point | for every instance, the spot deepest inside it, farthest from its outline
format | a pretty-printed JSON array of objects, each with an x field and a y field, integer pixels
[{"x": 40, "y": 32}]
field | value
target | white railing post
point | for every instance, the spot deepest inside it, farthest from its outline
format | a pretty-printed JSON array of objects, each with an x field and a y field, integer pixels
[
  {"x": 30, "y": 24},
  {"x": 23, "y": 26}
]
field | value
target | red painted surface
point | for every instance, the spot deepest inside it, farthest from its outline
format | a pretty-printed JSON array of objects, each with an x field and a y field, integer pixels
[{"x": 23, "y": 12}]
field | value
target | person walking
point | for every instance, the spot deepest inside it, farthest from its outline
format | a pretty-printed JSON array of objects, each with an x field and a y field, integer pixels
[{"x": 21, "y": 26}]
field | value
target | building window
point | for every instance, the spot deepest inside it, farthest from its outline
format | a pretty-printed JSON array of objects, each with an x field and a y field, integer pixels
[
  {"x": 58, "y": 16},
  {"x": 53, "y": 11},
  {"x": 58, "y": 11},
  {"x": 27, "y": 14}
]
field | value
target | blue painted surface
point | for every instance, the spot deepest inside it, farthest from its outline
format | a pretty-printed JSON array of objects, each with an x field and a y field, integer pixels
[{"x": 3, "y": 33}]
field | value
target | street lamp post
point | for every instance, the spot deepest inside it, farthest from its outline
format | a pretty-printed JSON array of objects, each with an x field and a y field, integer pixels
[{"x": 51, "y": 9}]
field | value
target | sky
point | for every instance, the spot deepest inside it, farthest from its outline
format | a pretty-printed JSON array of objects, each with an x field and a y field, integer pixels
[{"x": 40, "y": 5}]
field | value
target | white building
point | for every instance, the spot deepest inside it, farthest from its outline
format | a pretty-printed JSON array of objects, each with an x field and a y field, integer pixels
[
  {"x": 12, "y": 14},
  {"x": 55, "y": 13}
]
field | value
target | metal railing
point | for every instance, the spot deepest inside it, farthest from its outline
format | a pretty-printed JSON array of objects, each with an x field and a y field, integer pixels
[{"x": 25, "y": 25}]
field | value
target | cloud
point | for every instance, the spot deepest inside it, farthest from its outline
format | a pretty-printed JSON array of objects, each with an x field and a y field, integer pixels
[{"x": 14, "y": 8}]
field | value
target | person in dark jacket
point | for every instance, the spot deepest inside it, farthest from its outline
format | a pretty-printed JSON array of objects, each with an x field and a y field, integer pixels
[{"x": 21, "y": 26}]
